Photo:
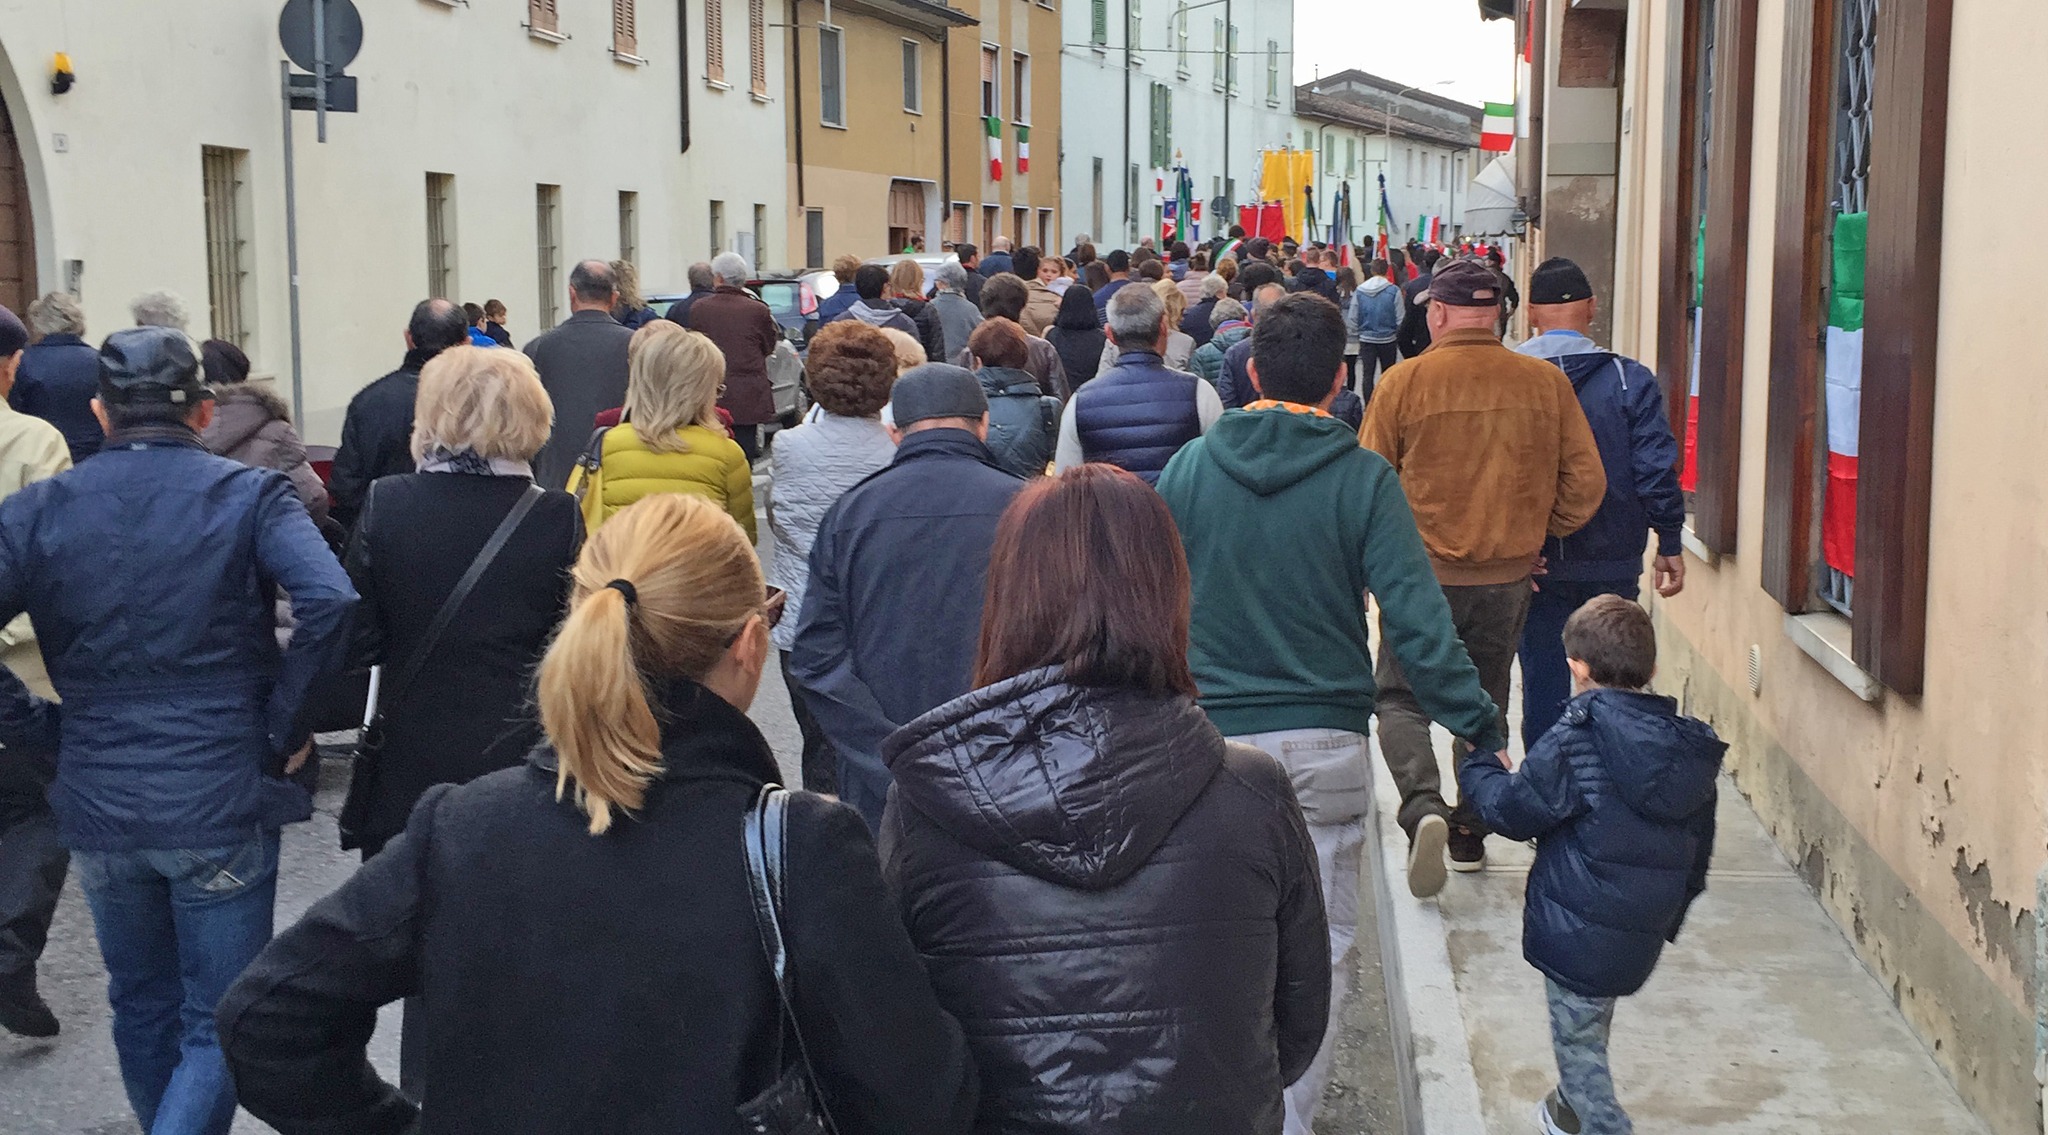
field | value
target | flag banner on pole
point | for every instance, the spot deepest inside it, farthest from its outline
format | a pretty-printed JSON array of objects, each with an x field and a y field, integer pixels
[
  {"x": 994, "y": 128},
  {"x": 1023, "y": 149},
  {"x": 1843, "y": 370},
  {"x": 1184, "y": 207},
  {"x": 1308, "y": 219},
  {"x": 1689, "y": 470},
  {"x": 1497, "y": 131}
]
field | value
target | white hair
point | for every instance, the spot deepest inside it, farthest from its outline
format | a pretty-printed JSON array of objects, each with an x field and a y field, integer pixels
[
  {"x": 1214, "y": 285},
  {"x": 56, "y": 314},
  {"x": 731, "y": 269},
  {"x": 159, "y": 309}
]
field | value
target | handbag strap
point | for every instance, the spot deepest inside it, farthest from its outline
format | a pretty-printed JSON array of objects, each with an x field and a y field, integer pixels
[
  {"x": 463, "y": 587},
  {"x": 765, "y": 838}
]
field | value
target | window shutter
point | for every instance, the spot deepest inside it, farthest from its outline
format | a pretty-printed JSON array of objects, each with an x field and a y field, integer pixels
[
  {"x": 1098, "y": 28},
  {"x": 714, "y": 40},
  {"x": 1216, "y": 62},
  {"x": 541, "y": 15},
  {"x": 624, "y": 39},
  {"x": 757, "y": 46},
  {"x": 1166, "y": 129}
]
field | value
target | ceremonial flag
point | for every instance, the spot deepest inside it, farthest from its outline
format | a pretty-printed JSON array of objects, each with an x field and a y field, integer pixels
[
  {"x": 1023, "y": 149},
  {"x": 1844, "y": 373},
  {"x": 1689, "y": 471},
  {"x": 1497, "y": 132},
  {"x": 994, "y": 127},
  {"x": 1184, "y": 208}
]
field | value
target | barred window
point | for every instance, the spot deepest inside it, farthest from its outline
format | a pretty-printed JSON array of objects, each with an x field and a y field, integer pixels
[
  {"x": 224, "y": 172},
  {"x": 441, "y": 235}
]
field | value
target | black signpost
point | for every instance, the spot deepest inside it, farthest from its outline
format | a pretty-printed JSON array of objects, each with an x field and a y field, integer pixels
[{"x": 322, "y": 37}]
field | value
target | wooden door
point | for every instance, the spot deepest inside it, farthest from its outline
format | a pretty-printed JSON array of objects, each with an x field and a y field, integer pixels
[{"x": 17, "y": 229}]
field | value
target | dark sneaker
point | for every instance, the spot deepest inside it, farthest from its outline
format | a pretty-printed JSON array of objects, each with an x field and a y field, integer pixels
[
  {"x": 1468, "y": 850},
  {"x": 22, "y": 1010},
  {"x": 1556, "y": 1117},
  {"x": 1426, "y": 856}
]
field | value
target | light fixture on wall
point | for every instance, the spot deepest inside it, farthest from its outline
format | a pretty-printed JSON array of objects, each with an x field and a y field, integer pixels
[{"x": 61, "y": 76}]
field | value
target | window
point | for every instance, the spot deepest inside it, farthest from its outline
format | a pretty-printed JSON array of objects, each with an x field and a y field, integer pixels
[
  {"x": 717, "y": 227},
  {"x": 1230, "y": 53},
  {"x": 1408, "y": 166},
  {"x": 760, "y": 237},
  {"x": 814, "y": 238},
  {"x": 913, "y": 77},
  {"x": 1162, "y": 126},
  {"x": 956, "y": 223},
  {"x": 1216, "y": 59},
  {"x": 625, "y": 33},
  {"x": 541, "y": 17},
  {"x": 629, "y": 227},
  {"x": 1134, "y": 26},
  {"x": 1329, "y": 157},
  {"x": 1095, "y": 211},
  {"x": 1180, "y": 37},
  {"x": 1131, "y": 197},
  {"x": 441, "y": 235},
  {"x": 831, "y": 76},
  {"x": 1020, "y": 222},
  {"x": 988, "y": 229},
  {"x": 1045, "y": 229},
  {"x": 714, "y": 41},
  {"x": 1098, "y": 22},
  {"x": 991, "y": 102},
  {"x": 1443, "y": 173},
  {"x": 225, "y": 181},
  {"x": 1351, "y": 156},
  {"x": 1273, "y": 72},
  {"x": 757, "y": 47},
  {"x": 547, "y": 218},
  {"x": 1020, "y": 88}
]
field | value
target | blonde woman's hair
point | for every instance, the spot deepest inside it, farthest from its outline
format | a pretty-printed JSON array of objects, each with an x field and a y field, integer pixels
[
  {"x": 628, "y": 282},
  {"x": 486, "y": 400},
  {"x": 1176, "y": 302},
  {"x": 696, "y": 584},
  {"x": 672, "y": 381},
  {"x": 906, "y": 279},
  {"x": 909, "y": 352}
]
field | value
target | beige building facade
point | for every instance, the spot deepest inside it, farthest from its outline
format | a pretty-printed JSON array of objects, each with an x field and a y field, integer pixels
[
  {"x": 1725, "y": 157},
  {"x": 1011, "y": 73}
]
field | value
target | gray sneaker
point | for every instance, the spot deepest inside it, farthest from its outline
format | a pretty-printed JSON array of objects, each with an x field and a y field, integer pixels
[
  {"x": 1426, "y": 856},
  {"x": 1556, "y": 1117}
]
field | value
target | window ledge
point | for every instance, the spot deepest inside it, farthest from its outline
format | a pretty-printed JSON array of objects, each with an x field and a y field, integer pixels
[
  {"x": 717, "y": 84},
  {"x": 545, "y": 36},
  {"x": 761, "y": 97},
  {"x": 1824, "y": 637},
  {"x": 1693, "y": 544},
  {"x": 833, "y": 125},
  {"x": 632, "y": 60}
]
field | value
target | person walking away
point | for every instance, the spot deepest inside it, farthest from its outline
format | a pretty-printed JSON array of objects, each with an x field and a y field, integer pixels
[
  {"x": 59, "y": 374},
  {"x": 32, "y": 857},
  {"x": 1484, "y": 511},
  {"x": 906, "y": 293},
  {"x": 635, "y": 997},
  {"x": 849, "y": 369},
  {"x": 871, "y": 285},
  {"x": 969, "y": 258},
  {"x": 1077, "y": 336},
  {"x": 1290, "y": 670},
  {"x": 1230, "y": 324},
  {"x": 1083, "y": 726},
  {"x": 252, "y": 425},
  {"x": 582, "y": 366},
  {"x": 1377, "y": 308},
  {"x": 1118, "y": 262},
  {"x": 1041, "y": 303},
  {"x": 701, "y": 285},
  {"x": 1619, "y": 797},
  {"x": 1180, "y": 346},
  {"x": 906, "y": 548},
  {"x": 1137, "y": 414},
  {"x": 150, "y": 573},
  {"x": 1414, "y": 335},
  {"x": 630, "y": 309},
  {"x": 1196, "y": 322},
  {"x": 997, "y": 261},
  {"x": 1233, "y": 380},
  {"x": 494, "y": 322},
  {"x": 1023, "y": 420},
  {"x": 376, "y": 432},
  {"x": 1347, "y": 289},
  {"x": 746, "y": 333},
  {"x": 954, "y": 313},
  {"x": 1004, "y": 297},
  {"x": 832, "y": 306},
  {"x": 1624, "y": 405},
  {"x": 671, "y": 439},
  {"x": 478, "y": 337}
]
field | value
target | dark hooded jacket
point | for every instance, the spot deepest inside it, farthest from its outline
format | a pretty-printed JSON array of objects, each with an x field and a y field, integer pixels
[
  {"x": 1619, "y": 796},
  {"x": 1120, "y": 909},
  {"x": 1023, "y": 420}
]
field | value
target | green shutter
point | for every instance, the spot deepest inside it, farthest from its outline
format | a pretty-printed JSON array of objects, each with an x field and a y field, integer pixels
[
  {"x": 1098, "y": 28},
  {"x": 1166, "y": 134}
]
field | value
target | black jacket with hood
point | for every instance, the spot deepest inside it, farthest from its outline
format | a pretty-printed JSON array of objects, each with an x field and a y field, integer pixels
[
  {"x": 1121, "y": 909},
  {"x": 1023, "y": 420}
]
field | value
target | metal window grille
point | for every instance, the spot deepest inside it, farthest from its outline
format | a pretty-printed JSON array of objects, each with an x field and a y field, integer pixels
[
  {"x": 542, "y": 16},
  {"x": 547, "y": 221},
  {"x": 717, "y": 227},
  {"x": 625, "y": 30},
  {"x": 714, "y": 40},
  {"x": 831, "y": 77},
  {"x": 441, "y": 235},
  {"x": 757, "y": 46},
  {"x": 629, "y": 226},
  {"x": 913, "y": 77},
  {"x": 1856, "y": 73},
  {"x": 227, "y": 274}
]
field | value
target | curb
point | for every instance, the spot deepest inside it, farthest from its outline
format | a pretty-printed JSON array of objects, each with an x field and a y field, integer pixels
[{"x": 1432, "y": 1055}]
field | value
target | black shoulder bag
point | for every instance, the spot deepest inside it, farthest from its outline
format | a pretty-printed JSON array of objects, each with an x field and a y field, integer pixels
[
  {"x": 791, "y": 1104},
  {"x": 362, "y": 785}
]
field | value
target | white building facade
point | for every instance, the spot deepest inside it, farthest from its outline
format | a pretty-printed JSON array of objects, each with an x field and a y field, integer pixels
[
  {"x": 1360, "y": 126},
  {"x": 1151, "y": 86},
  {"x": 496, "y": 145}
]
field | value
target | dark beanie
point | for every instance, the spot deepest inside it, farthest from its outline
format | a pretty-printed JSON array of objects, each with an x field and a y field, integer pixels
[
  {"x": 936, "y": 390},
  {"x": 13, "y": 336},
  {"x": 1558, "y": 280}
]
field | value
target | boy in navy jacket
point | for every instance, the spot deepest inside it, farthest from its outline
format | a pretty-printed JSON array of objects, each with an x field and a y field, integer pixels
[{"x": 1619, "y": 796}]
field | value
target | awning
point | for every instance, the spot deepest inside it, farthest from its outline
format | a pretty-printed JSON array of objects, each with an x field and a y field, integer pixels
[{"x": 1490, "y": 204}]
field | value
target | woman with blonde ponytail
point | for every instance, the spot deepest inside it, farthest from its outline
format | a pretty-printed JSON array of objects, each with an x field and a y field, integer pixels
[{"x": 580, "y": 929}]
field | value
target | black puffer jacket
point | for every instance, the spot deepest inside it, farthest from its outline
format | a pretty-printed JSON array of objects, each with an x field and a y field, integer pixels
[{"x": 1120, "y": 909}]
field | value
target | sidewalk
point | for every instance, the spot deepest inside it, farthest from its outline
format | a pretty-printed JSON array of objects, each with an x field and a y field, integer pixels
[{"x": 1758, "y": 1020}]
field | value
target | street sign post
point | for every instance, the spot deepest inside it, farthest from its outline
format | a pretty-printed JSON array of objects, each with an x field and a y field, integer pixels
[{"x": 322, "y": 37}]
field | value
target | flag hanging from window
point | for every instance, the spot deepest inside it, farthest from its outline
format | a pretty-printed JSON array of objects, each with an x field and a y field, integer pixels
[
  {"x": 994, "y": 126},
  {"x": 1023, "y": 149},
  {"x": 1497, "y": 130},
  {"x": 1844, "y": 372}
]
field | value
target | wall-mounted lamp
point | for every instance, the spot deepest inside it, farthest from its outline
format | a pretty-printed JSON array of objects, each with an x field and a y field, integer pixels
[{"x": 61, "y": 76}]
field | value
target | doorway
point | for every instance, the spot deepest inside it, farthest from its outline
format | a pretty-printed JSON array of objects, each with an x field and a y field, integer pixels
[{"x": 17, "y": 228}]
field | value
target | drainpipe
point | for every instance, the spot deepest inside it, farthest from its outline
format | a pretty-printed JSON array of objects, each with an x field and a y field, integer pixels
[
  {"x": 2041, "y": 984},
  {"x": 946, "y": 125},
  {"x": 1224, "y": 222},
  {"x": 796, "y": 95},
  {"x": 1130, "y": 206}
]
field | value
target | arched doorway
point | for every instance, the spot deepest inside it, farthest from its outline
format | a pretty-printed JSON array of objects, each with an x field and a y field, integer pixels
[{"x": 17, "y": 227}]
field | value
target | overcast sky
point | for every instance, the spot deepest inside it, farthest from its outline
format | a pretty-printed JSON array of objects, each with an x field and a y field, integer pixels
[{"x": 1413, "y": 41}]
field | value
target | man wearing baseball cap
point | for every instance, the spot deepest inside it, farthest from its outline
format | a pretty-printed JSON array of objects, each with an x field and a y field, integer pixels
[
  {"x": 1625, "y": 406},
  {"x": 1495, "y": 456},
  {"x": 151, "y": 573},
  {"x": 892, "y": 611}
]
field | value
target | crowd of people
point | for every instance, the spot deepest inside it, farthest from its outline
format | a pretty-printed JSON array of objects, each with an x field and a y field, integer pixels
[{"x": 1073, "y": 569}]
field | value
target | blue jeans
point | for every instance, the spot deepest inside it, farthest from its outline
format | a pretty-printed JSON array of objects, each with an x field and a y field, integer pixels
[
  {"x": 1578, "y": 1035},
  {"x": 176, "y": 927},
  {"x": 1546, "y": 681}
]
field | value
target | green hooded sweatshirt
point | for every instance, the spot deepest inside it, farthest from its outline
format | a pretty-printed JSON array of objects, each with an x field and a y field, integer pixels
[{"x": 1287, "y": 524}]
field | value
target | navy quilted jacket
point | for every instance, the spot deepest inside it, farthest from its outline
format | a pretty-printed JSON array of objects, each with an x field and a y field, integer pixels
[{"x": 1619, "y": 797}]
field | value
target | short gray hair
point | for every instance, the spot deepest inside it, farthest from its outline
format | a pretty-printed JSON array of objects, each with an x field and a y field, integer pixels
[
  {"x": 730, "y": 268},
  {"x": 1225, "y": 311},
  {"x": 1213, "y": 286},
  {"x": 951, "y": 276},
  {"x": 594, "y": 281},
  {"x": 700, "y": 277},
  {"x": 159, "y": 309},
  {"x": 56, "y": 314},
  {"x": 1135, "y": 317},
  {"x": 1266, "y": 295}
]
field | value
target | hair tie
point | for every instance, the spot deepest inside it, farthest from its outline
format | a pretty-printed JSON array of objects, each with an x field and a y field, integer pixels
[{"x": 626, "y": 589}]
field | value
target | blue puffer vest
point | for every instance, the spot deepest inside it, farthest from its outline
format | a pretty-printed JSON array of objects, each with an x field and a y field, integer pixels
[{"x": 1137, "y": 414}]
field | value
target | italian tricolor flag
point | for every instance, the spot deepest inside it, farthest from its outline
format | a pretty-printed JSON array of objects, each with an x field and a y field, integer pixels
[
  {"x": 994, "y": 126},
  {"x": 1843, "y": 369},
  {"x": 1497, "y": 132},
  {"x": 1689, "y": 468},
  {"x": 1023, "y": 149}
]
